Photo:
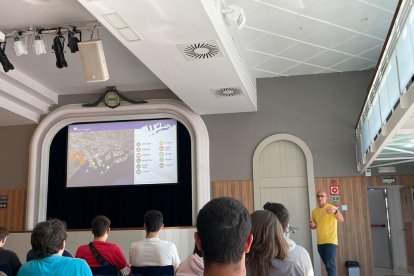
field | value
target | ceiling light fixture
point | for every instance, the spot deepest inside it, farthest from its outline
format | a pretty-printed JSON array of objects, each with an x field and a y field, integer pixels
[
  {"x": 58, "y": 43},
  {"x": 73, "y": 40},
  {"x": 39, "y": 46},
  {"x": 3, "y": 58},
  {"x": 19, "y": 47}
]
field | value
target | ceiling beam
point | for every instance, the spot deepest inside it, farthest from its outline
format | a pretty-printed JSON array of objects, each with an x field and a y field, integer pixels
[{"x": 39, "y": 89}]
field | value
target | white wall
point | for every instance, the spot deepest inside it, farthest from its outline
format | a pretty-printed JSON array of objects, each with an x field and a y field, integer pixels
[{"x": 182, "y": 238}]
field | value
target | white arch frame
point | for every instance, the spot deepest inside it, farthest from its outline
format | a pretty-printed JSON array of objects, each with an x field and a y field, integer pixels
[
  {"x": 75, "y": 113},
  {"x": 310, "y": 178}
]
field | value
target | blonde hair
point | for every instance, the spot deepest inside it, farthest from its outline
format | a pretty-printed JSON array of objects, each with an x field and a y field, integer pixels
[{"x": 268, "y": 243}]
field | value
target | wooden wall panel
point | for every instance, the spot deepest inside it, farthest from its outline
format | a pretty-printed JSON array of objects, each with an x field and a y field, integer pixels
[
  {"x": 239, "y": 189},
  {"x": 13, "y": 216},
  {"x": 355, "y": 242},
  {"x": 354, "y": 234}
]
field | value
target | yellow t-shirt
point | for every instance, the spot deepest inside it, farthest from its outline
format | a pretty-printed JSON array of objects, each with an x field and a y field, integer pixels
[{"x": 326, "y": 225}]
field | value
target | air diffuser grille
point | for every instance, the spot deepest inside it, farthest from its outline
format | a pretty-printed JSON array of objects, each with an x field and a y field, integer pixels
[
  {"x": 201, "y": 50},
  {"x": 227, "y": 92}
]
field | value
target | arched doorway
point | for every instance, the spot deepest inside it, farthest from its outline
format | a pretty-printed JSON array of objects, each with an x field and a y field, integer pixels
[{"x": 283, "y": 172}]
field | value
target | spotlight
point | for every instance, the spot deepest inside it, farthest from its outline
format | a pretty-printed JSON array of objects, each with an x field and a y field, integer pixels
[
  {"x": 19, "y": 47},
  {"x": 58, "y": 43},
  {"x": 73, "y": 40},
  {"x": 3, "y": 58},
  {"x": 39, "y": 46}
]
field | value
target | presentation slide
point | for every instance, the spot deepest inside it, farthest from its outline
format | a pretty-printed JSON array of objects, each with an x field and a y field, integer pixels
[{"x": 122, "y": 153}]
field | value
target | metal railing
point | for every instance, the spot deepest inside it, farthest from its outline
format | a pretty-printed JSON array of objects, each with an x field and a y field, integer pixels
[{"x": 393, "y": 77}]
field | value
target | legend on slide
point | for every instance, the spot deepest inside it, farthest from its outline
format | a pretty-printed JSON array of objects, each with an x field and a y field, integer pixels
[{"x": 157, "y": 148}]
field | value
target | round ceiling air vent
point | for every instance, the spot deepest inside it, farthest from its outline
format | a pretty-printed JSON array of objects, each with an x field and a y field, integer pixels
[
  {"x": 228, "y": 92},
  {"x": 201, "y": 50}
]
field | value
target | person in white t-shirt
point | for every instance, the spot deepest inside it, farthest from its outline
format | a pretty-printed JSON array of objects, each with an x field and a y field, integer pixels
[
  {"x": 153, "y": 251},
  {"x": 297, "y": 253}
]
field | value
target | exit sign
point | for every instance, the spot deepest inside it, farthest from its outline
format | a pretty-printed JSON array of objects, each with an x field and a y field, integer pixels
[{"x": 336, "y": 198}]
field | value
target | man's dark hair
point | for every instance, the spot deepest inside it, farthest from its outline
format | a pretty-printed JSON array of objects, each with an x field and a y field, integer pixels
[
  {"x": 99, "y": 225},
  {"x": 223, "y": 226},
  {"x": 3, "y": 233},
  {"x": 153, "y": 220},
  {"x": 47, "y": 238},
  {"x": 280, "y": 211}
]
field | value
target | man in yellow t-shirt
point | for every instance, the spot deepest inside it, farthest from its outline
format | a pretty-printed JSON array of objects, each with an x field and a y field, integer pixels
[{"x": 324, "y": 220}]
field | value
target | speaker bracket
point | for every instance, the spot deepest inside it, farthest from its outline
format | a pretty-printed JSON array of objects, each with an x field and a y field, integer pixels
[{"x": 112, "y": 98}]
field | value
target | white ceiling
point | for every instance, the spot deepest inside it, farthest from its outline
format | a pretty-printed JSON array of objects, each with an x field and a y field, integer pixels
[
  {"x": 280, "y": 38},
  {"x": 298, "y": 37}
]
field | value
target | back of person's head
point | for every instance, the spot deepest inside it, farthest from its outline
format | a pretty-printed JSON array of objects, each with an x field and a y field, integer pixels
[
  {"x": 4, "y": 232},
  {"x": 223, "y": 227},
  {"x": 48, "y": 238},
  {"x": 100, "y": 224},
  {"x": 280, "y": 211},
  {"x": 269, "y": 243},
  {"x": 153, "y": 221}
]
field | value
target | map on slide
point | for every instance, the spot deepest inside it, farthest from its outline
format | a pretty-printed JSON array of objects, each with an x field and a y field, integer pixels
[{"x": 122, "y": 153}]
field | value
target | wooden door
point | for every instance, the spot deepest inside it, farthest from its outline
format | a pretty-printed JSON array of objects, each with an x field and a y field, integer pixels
[
  {"x": 282, "y": 177},
  {"x": 407, "y": 209}
]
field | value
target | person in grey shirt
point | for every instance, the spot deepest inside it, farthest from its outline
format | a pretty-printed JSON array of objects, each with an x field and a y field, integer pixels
[
  {"x": 297, "y": 253},
  {"x": 268, "y": 254}
]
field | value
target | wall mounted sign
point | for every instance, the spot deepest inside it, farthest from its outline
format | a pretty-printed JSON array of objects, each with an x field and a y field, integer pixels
[
  {"x": 336, "y": 198},
  {"x": 388, "y": 180},
  {"x": 4, "y": 197},
  {"x": 333, "y": 188},
  {"x": 3, "y": 205}
]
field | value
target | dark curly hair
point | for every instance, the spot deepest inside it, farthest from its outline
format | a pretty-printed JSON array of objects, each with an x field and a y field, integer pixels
[
  {"x": 280, "y": 211},
  {"x": 223, "y": 226},
  {"x": 99, "y": 225},
  {"x": 48, "y": 237},
  {"x": 153, "y": 220}
]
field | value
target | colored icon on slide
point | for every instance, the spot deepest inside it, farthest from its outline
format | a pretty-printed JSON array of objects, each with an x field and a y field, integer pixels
[
  {"x": 161, "y": 148},
  {"x": 161, "y": 165},
  {"x": 161, "y": 153},
  {"x": 138, "y": 172},
  {"x": 161, "y": 143},
  {"x": 138, "y": 154},
  {"x": 138, "y": 166}
]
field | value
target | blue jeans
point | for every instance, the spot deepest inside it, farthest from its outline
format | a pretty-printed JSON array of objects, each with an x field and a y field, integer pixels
[{"x": 328, "y": 254}]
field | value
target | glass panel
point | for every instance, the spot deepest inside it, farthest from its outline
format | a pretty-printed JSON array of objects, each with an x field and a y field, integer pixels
[
  {"x": 374, "y": 119},
  {"x": 405, "y": 58},
  {"x": 359, "y": 148},
  {"x": 385, "y": 106},
  {"x": 365, "y": 137},
  {"x": 393, "y": 84}
]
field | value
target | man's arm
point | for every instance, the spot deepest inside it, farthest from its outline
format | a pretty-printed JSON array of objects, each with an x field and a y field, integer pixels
[
  {"x": 339, "y": 216},
  {"x": 175, "y": 257},
  {"x": 312, "y": 223},
  {"x": 121, "y": 262},
  {"x": 15, "y": 263}
]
